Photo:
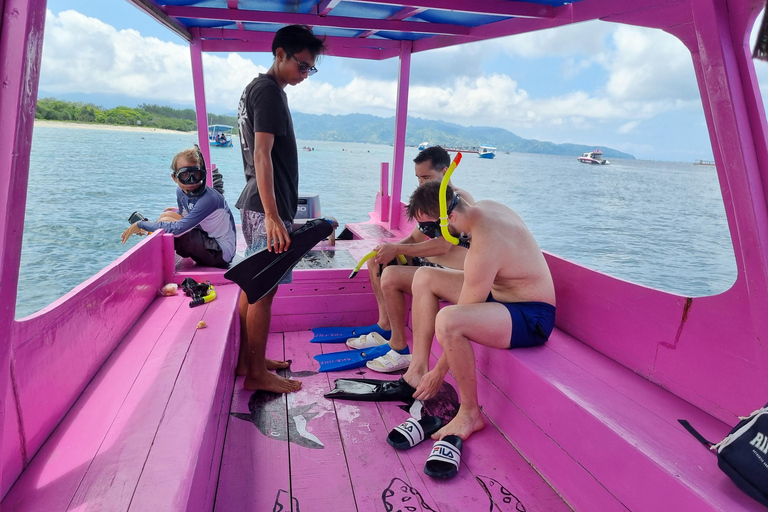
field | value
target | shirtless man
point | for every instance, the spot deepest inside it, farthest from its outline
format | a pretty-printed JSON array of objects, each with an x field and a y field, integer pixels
[
  {"x": 504, "y": 298},
  {"x": 425, "y": 246}
]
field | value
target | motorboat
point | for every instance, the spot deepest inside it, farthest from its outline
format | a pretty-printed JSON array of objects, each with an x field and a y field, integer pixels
[{"x": 593, "y": 157}]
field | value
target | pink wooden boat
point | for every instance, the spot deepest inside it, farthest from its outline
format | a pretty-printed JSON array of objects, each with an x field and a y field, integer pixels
[{"x": 112, "y": 399}]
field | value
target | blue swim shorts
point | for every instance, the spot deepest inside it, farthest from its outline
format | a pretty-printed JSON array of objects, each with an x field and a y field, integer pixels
[
  {"x": 255, "y": 234},
  {"x": 532, "y": 322}
]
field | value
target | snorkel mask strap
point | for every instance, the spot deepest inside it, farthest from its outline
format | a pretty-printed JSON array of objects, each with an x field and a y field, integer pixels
[{"x": 443, "y": 206}]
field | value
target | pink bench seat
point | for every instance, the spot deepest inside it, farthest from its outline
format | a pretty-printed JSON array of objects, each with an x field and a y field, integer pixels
[
  {"x": 147, "y": 432},
  {"x": 604, "y": 437}
]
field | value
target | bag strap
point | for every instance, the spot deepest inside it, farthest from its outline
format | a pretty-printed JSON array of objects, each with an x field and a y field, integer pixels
[{"x": 695, "y": 434}]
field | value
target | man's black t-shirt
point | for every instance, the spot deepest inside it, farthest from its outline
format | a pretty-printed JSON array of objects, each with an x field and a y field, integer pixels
[{"x": 264, "y": 108}]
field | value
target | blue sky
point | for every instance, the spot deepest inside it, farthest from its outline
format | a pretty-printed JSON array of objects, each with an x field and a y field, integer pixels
[{"x": 592, "y": 83}]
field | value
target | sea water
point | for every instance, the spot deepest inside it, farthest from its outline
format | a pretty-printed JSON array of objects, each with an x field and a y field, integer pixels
[{"x": 660, "y": 224}]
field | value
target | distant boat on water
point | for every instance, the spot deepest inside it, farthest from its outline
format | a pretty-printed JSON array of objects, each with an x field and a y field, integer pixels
[
  {"x": 593, "y": 157},
  {"x": 487, "y": 152},
  {"x": 220, "y": 135},
  {"x": 423, "y": 146},
  {"x": 704, "y": 162}
]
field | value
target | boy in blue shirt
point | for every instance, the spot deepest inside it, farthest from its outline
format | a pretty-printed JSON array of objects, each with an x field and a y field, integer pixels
[{"x": 204, "y": 228}]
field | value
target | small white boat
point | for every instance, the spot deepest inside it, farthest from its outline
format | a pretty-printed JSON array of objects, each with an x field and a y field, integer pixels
[
  {"x": 487, "y": 152},
  {"x": 423, "y": 146},
  {"x": 593, "y": 157}
]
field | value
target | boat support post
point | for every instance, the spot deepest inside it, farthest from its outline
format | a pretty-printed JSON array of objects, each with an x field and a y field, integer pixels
[
  {"x": 21, "y": 46},
  {"x": 738, "y": 122},
  {"x": 401, "y": 119},
  {"x": 196, "y": 53}
]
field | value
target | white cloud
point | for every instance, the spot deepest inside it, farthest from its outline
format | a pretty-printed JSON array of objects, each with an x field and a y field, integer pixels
[
  {"x": 628, "y": 127},
  {"x": 82, "y": 54},
  {"x": 634, "y": 75}
]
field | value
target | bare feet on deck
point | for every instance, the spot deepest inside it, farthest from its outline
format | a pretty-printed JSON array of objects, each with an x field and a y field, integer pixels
[
  {"x": 464, "y": 424},
  {"x": 272, "y": 364},
  {"x": 271, "y": 382}
]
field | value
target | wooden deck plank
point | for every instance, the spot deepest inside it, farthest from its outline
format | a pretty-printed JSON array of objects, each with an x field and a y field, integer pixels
[
  {"x": 255, "y": 475},
  {"x": 319, "y": 474},
  {"x": 111, "y": 479},
  {"x": 493, "y": 459},
  {"x": 53, "y": 476},
  {"x": 373, "y": 464}
]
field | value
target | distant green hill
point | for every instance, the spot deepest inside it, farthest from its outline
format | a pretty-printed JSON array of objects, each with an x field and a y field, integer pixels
[{"x": 380, "y": 130}]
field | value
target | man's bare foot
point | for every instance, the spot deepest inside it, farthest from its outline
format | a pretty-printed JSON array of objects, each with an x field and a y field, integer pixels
[
  {"x": 273, "y": 364},
  {"x": 414, "y": 375},
  {"x": 271, "y": 382},
  {"x": 464, "y": 424}
]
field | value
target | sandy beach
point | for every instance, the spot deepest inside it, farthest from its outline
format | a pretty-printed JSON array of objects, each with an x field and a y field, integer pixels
[{"x": 95, "y": 126}]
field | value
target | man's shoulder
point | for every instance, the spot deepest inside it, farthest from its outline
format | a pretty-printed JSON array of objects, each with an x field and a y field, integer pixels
[
  {"x": 263, "y": 83},
  {"x": 465, "y": 195}
]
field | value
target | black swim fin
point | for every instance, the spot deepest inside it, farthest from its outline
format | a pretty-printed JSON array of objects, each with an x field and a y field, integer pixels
[
  {"x": 260, "y": 273},
  {"x": 372, "y": 390}
]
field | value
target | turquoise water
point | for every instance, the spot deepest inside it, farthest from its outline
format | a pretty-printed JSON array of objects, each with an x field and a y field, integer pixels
[{"x": 661, "y": 224}]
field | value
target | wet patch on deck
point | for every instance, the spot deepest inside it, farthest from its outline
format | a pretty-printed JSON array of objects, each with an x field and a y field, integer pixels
[{"x": 327, "y": 258}]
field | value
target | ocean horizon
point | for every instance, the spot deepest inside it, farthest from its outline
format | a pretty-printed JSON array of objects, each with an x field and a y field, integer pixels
[{"x": 660, "y": 224}]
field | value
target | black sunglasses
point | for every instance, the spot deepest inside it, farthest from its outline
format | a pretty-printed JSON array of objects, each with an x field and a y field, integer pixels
[
  {"x": 303, "y": 66},
  {"x": 189, "y": 175}
]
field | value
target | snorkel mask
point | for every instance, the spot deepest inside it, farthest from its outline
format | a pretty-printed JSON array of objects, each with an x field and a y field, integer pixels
[
  {"x": 444, "y": 208},
  {"x": 191, "y": 175}
]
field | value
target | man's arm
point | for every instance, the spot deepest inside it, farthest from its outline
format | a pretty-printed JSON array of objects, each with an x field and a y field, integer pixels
[
  {"x": 414, "y": 245},
  {"x": 480, "y": 269},
  {"x": 277, "y": 235}
]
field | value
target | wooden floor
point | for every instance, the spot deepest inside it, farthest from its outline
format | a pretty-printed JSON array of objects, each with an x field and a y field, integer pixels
[{"x": 302, "y": 452}]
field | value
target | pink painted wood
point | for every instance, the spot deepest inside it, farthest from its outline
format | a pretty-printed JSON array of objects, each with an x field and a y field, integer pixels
[
  {"x": 384, "y": 193},
  {"x": 401, "y": 119},
  {"x": 59, "y": 340},
  {"x": 313, "y": 414},
  {"x": 198, "y": 82},
  {"x": 158, "y": 388},
  {"x": 255, "y": 465},
  {"x": 621, "y": 428},
  {"x": 310, "y": 19},
  {"x": 21, "y": 42},
  {"x": 190, "y": 437}
]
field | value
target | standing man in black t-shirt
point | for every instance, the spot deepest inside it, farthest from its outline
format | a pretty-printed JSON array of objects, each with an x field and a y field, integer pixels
[{"x": 269, "y": 200}]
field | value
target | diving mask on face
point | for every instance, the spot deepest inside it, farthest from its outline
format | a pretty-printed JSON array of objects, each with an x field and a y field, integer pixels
[
  {"x": 430, "y": 228},
  {"x": 190, "y": 175}
]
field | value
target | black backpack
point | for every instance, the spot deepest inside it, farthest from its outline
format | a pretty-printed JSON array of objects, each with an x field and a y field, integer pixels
[{"x": 743, "y": 454}]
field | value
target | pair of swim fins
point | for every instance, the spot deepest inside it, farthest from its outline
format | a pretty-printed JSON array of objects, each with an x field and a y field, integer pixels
[
  {"x": 261, "y": 272},
  {"x": 342, "y": 334},
  {"x": 349, "y": 359},
  {"x": 372, "y": 390}
]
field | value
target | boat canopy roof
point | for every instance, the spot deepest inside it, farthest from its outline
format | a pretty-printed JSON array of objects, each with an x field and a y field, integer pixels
[
  {"x": 378, "y": 29},
  {"x": 219, "y": 128}
]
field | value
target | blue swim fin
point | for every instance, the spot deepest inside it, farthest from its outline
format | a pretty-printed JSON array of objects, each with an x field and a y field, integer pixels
[
  {"x": 342, "y": 334},
  {"x": 348, "y": 359}
]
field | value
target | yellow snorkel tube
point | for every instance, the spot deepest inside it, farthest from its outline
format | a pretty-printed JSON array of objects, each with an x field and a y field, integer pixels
[
  {"x": 443, "y": 204},
  {"x": 400, "y": 258}
]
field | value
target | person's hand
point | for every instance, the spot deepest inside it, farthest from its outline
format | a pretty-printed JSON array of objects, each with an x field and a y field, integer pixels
[
  {"x": 429, "y": 385},
  {"x": 277, "y": 236},
  {"x": 385, "y": 253},
  {"x": 133, "y": 229}
]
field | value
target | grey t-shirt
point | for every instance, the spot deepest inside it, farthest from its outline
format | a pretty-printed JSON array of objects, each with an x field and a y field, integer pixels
[{"x": 264, "y": 108}]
